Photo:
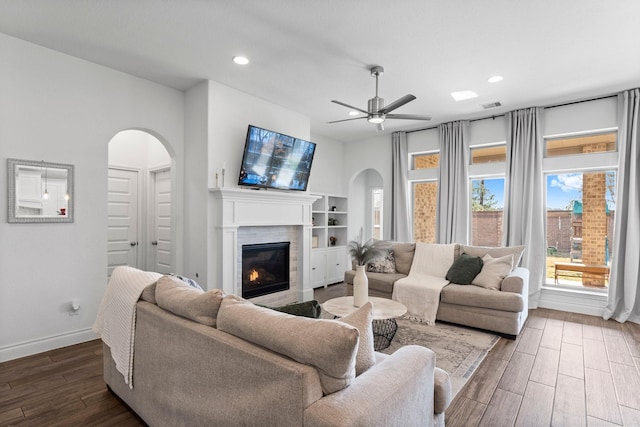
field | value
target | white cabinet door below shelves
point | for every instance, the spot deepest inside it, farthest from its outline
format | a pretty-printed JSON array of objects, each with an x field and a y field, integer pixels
[
  {"x": 318, "y": 268},
  {"x": 336, "y": 264}
]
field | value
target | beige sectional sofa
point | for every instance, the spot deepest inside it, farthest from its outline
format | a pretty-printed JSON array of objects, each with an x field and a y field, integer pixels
[
  {"x": 503, "y": 310},
  {"x": 253, "y": 366}
]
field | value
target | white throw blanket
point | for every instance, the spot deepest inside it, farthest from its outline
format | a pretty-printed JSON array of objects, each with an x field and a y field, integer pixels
[
  {"x": 420, "y": 290},
  {"x": 116, "y": 320}
]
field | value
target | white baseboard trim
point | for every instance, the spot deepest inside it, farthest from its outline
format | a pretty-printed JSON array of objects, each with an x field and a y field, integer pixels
[
  {"x": 53, "y": 342},
  {"x": 573, "y": 301}
]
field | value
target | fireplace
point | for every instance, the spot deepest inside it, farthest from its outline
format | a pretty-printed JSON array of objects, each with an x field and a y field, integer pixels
[{"x": 265, "y": 268}]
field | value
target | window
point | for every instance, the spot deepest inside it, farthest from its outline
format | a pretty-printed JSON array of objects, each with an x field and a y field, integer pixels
[
  {"x": 426, "y": 161},
  {"x": 425, "y": 199},
  {"x": 376, "y": 220},
  {"x": 491, "y": 154},
  {"x": 584, "y": 144},
  {"x": 487, "y": 204},
  {"x": 580, "y": 214}
]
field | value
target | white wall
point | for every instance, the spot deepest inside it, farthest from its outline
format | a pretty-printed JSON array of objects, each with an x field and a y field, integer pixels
[
  {"x": 62, "y": 109},
  {"x": 196, "y": 194},
  {"x": 231, "y": 112},
  {"x": 328, "y": 165}
]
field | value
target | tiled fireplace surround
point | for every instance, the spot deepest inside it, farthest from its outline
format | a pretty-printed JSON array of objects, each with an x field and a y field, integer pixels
[{"x": 242, "y": 216}]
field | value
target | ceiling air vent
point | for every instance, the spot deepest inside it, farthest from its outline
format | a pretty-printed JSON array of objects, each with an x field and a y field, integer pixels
[{"x": 492, "y": 105}]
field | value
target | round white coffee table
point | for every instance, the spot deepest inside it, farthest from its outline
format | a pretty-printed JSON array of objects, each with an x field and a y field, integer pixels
[{"x": 385, "y": 312}]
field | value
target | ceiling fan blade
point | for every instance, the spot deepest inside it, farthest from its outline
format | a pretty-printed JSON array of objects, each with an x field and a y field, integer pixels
[
  {"x": 407, "y": 117},
  {"x": 347, "y": 120},
  {"x": 350, "y": 106},
  {"x": 398, "y": 103}
]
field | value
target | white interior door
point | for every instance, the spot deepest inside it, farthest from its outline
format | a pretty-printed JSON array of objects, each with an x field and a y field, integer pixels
[
  {"x": 160, "y": 242},
  {"x": 123, "y": 207}
]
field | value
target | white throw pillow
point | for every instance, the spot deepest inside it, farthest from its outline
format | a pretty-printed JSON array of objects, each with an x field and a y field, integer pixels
[
  {"x": 494, "y": 270},
  {"x": 361, "y": 319}
]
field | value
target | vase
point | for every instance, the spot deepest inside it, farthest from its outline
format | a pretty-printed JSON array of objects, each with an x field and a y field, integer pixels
[{"x": 360, "y": 287}]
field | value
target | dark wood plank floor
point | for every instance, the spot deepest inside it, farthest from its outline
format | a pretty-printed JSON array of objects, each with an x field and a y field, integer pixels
[{"x": 563, "y": 370}]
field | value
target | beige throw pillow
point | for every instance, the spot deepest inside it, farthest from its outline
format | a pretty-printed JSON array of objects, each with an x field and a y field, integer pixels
[
  {"x": 498, "y": 252},
  {"x": 327, "y": 345},
  {"x": 176, "y": 296},
  {"x": 493, "y": 271},
  {"x": 361, "y": 319}
]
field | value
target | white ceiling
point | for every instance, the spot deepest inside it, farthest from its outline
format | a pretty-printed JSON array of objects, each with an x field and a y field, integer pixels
[{"x": 306, "y": 53}]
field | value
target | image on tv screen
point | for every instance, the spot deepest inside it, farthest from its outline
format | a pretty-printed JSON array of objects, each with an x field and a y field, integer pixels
[{"x": 274, "y": 160}]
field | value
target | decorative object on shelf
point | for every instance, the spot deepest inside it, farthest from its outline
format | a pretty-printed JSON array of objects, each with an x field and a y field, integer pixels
[
  {"x": 332, "y": 240},
  {"x": 313, "y": 221},
  {"x": 314, "y": 241},
  {"x": 363, "y": 254},
  {"x": 333, "y": 208},
  {"x": 220, "y": 175},
  {"x": 331, "y": 221}
]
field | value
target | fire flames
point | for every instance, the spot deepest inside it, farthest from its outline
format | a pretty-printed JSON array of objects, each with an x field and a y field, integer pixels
[{"x": 253, "y": 275}]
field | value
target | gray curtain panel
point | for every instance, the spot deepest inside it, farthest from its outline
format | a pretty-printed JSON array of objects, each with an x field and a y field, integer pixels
[
  {"x": 453, "y": 184},
  {"x": 623, "y": 303},
  {"x": 524, "y": 207},
  {"x": 400, "y": 219}
]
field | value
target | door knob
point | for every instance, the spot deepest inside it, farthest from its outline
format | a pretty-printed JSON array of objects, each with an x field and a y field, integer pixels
[
  {"x": 133, "y": 243},
  {"x": 154, "y": 243}
]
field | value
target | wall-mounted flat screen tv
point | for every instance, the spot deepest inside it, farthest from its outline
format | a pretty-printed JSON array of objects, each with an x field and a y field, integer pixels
[{"x": 274, "y": 160}]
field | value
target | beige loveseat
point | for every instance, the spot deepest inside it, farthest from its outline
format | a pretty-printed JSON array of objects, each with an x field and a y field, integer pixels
[
  {"x": 503, "y": 310},
  {"x": 253, "y": 366}
]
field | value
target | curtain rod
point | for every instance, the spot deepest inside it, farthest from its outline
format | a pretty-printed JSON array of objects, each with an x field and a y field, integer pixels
[{"x": 544, "y": 107}]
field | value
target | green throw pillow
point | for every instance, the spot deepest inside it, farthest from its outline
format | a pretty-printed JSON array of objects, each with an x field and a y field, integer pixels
[
  {"x": 310, "y": 309},
  {"x": 464, "y": 269}
]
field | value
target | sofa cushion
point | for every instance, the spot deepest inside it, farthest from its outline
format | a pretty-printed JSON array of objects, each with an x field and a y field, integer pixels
[
  {"x": 403, "y": 254},
  {"x": 178, "y": 297},
  {"x": 361, "y": 319},
  {"x": 328, "y": 345},
  {"x": 385, "y": 264},
  {"x": 464, "y": 269},
  {"x": 149, "y": 293},
  {"x": 498, "y": 252},
  {"x": 475, "y": 296},
  {"x": 494, "y": 270}
]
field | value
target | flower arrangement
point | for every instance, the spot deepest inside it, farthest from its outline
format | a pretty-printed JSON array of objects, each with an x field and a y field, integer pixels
[{"x": 364, "y": 253}]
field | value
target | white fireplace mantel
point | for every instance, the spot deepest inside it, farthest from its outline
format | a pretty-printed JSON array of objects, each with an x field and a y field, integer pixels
[{"x": 237, "y": 207}]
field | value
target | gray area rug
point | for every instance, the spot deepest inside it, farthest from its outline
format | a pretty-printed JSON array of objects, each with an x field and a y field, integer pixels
[{"x": 459, "y": 350}]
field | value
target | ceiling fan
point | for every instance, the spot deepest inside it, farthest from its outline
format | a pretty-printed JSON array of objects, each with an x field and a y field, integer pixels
[{"x": 376, "y": 112}]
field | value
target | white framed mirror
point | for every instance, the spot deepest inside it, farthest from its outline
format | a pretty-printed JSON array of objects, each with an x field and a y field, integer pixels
[{"x": 39, "y": 191}]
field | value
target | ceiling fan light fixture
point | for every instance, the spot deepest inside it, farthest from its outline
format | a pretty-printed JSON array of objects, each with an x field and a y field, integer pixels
[{"x": 376, "y": 119}]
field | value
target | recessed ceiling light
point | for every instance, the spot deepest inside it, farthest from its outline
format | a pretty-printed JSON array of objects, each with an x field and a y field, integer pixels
[
  {"x": 354, "y": 113},
  {"x": 464, "y": 94},
  {"x": 495, "y": 79},
  {"x": 241, "y": 60}
]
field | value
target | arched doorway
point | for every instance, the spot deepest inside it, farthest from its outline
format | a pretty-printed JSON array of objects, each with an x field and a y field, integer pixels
[
  {"x": 139, "y": 203},
  {"x": 366, "y": 200}
]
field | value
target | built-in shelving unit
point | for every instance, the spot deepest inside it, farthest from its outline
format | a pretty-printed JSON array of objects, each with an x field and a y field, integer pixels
[{"x": 330, "y": 215}]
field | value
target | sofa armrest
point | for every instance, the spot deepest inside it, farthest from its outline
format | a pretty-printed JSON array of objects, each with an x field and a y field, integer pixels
[
  {"x": 517, "y": 281},
  {"x": 442, "y": 389},
  {"x": 398, "y": 391}
]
